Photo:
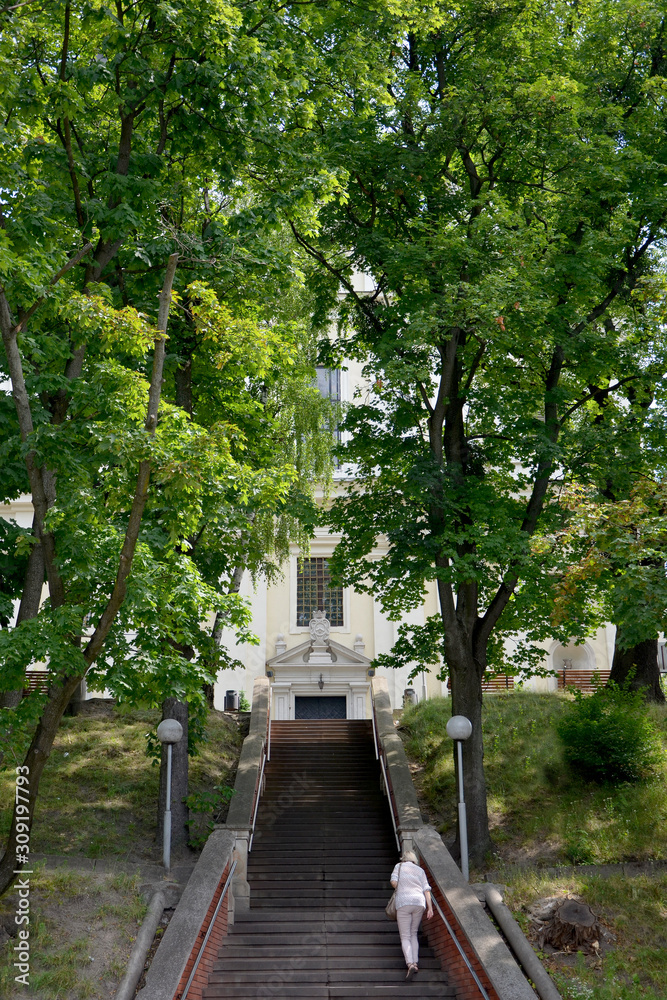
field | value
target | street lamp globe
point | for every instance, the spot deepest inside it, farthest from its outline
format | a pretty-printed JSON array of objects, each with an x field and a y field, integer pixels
[
  {"x": 459, "y": 728},
  {"x": 170, "y": 731}
]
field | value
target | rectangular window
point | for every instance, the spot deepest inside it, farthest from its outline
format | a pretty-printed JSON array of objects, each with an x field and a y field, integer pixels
[
  {"x": 314, "y": 592},
  {"x": 328, "y": 384}
]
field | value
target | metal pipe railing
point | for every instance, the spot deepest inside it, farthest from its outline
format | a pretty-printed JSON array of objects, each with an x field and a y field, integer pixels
[
  {"x": 208, "y": 932},
  {"x": 391, "y": 801},
  {"x": 257, "y": 797},
  {"x": 375, "y": 732},
  {"x": 478, "y": 983},
  {"x": 379, "y": 755}
]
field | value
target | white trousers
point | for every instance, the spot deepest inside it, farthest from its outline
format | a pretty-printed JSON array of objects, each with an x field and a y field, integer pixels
[{"x": 409, "y": 919}]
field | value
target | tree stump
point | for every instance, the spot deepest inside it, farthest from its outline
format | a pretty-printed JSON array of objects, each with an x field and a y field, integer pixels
[{"x": 572, "y": 927}]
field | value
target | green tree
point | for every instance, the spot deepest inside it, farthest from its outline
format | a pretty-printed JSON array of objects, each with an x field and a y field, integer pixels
[
  {"x": 612, "y": 546},
  {"x": 58, "y": 632},
  {"x": 614, "y": 556},
  {"x": 255, "y": 375},
  {"x": 111, "y": 120},
  {"x": 506, "y": 193}
]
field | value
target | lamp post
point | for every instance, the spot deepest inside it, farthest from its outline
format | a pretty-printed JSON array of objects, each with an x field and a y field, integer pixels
[
  {"x": 459, "y": 729},
  {"x": 169, "y": 731}
]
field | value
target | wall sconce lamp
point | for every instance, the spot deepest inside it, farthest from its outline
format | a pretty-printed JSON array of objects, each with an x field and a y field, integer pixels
[{"x": 320, "y": 683}]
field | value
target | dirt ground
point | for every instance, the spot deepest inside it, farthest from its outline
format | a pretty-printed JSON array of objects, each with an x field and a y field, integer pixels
[{"x": 82, "y": 928}]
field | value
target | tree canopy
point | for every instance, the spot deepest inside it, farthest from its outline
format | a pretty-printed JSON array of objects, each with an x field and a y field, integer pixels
[
  {"x": 507, "y": 194},
  {"x": 159, "y": 465},
  {"x": 498, "y": 170}
]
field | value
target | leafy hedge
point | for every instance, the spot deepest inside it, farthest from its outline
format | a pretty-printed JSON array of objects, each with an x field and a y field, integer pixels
[{"x": 608, "y": 736}]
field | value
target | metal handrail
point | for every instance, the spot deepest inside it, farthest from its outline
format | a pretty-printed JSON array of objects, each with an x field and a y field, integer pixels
[
  {"x": 268, "y": 738},
  {"x": 257, "y": 797},
  {"x": 391, "y": 804},
  {"x": 208, "y": 932},
  {"x": 462, "y": 953},
  {"x": 375, "y": 734},
  {"x": 379, "y": 755}
]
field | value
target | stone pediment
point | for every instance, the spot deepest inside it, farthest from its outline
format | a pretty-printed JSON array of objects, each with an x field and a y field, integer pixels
[
  {"x": 319, "y": 650},
  {"x": 333, "y": 653}
]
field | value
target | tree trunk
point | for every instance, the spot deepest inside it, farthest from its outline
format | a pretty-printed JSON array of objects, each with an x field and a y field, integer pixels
[
  {"x": 33, "y": 765},
  {"x": 172, "y": 708},
  {"x": 465, "y": 677},
  {"x": 10, "y": 699},
  {"x": 183, "y": 385},
  {"x": 638, "y": 667},
  {"x": 77, "y": 699},
  {"x": 33, "y": 584}
]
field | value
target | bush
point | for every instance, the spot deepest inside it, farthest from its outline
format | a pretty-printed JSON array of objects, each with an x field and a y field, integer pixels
[{"x": 608, "y": 737}]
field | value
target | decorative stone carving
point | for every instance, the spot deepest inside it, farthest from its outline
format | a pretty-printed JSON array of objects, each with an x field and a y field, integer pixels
[
  {"x": 319, "y": 651},
  {"x": 319, "y": 627},
  {"x": 281, "y": 645},
  {"x": 359, "y": 645}
]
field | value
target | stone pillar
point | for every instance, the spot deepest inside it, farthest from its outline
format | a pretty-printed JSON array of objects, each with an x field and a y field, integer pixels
[{"x": 240, "y": 886}]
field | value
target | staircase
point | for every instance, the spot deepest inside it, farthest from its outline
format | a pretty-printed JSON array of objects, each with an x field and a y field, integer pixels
[{"x": 319, "y": 872}]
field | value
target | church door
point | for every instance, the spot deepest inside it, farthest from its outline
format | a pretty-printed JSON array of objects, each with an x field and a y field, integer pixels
[{"x": 320, "y": 707}]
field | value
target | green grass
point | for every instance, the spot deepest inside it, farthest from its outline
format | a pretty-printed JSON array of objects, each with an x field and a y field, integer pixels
[
  {"x": 541, "y": 816},
  {"x": 98, "y": 798},
  {"x": 536, "y": 807},
  {"x": 98, "y": 793}
]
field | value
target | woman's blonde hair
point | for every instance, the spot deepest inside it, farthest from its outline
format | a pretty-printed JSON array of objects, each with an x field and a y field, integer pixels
[{"x": 409, "y": 856}]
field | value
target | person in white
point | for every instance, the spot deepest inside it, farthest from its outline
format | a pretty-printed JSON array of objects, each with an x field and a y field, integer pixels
[{"x": 413, "y": 896}]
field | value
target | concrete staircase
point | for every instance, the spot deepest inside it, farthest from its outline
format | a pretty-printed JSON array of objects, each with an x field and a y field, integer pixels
[{"x": 319, "y": 879}]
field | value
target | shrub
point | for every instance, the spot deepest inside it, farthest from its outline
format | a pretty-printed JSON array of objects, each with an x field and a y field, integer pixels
[{"x": 608, "y": 737}]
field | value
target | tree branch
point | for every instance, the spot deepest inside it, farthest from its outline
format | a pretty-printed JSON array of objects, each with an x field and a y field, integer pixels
[
  {"x": 590, "y": 395},
  {"x": 360, "y": 300},
  {"x": 20, "y": 326},
  {"x": 98, "y": 638}
]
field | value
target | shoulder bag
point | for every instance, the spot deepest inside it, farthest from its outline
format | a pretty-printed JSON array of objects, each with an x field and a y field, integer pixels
[{"x": 390, "y": 908}]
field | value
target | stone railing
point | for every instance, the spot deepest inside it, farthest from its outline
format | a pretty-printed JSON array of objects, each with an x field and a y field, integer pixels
[
  {"x": 195, "y": 923},
  {"x": 218, "y": 887},
  {"x": 247, "y": 790}
]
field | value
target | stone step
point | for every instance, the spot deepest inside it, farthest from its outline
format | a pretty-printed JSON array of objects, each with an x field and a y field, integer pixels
[
  {"x": 375, "y": 974},
  {"x": 407, "y": 990},
  {"x": 331, "y": 952},
  {"x": 342, "y": 937},
  {"x": 273, "y": 963},
  {"x": 278, "y": 914}
]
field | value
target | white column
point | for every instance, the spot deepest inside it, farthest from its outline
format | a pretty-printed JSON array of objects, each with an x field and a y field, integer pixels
[
  {"x": 281, "y": 701},
  {"x": 358, "y": 691}
]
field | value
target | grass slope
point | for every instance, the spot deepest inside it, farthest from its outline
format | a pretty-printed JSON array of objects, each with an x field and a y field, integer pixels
[
  {"x": 541, "y": 816},
  {"x": 536, "y": 809},
  {"x": 98, "y": 799},
  {"x": 98, "y": 793},
  {"x": 82, "y": 928}
]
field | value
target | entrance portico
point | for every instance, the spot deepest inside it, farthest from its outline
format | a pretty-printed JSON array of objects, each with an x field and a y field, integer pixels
[{"x": 319, "y": 678}]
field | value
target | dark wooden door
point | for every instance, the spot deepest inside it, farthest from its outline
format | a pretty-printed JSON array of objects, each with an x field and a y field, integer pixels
[{"x": 320, "y": 707}]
